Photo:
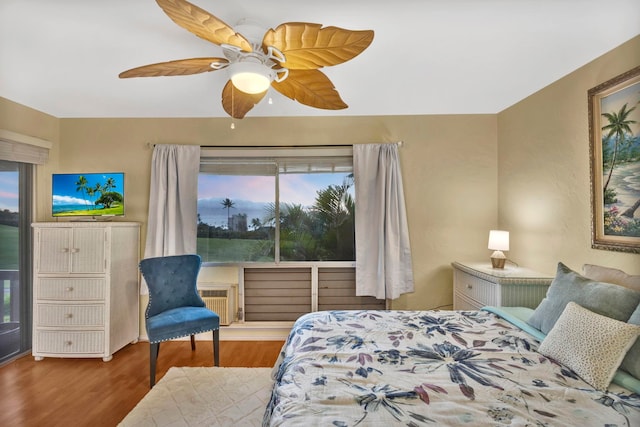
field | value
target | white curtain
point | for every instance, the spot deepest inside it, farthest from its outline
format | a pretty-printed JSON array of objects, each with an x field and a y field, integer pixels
[
  {"x": 173, "y": 198},
  {"x": 383, "y": 253}
]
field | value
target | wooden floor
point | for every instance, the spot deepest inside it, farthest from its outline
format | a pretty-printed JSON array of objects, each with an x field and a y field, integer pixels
[{"x": 90, "y": 392}]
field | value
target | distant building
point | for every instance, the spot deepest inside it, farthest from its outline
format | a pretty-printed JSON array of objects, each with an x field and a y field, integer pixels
[{"x": 238, "y": 222}]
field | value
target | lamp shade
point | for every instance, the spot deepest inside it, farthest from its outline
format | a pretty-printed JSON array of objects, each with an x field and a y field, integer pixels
[
  {"x": 250, "y": 77},
  {"x": 499, "y": 240}
]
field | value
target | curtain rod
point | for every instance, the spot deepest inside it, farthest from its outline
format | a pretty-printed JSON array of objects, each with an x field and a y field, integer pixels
[{"x": 398, "y": 143}]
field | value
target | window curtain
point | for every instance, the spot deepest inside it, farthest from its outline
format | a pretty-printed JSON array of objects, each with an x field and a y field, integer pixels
[
  {"x": 173, "y": 217},
  {"x": 383, "y": 253}
]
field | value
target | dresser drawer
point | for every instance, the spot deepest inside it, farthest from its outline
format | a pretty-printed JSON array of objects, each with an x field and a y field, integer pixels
[
  {"x": 462, "y": 302},
  {"x": 476, "y": 288},
  {"x": 478, "y": 283},
  {"x": 70, "y": 315},
  {"x": 77, "y": 342},
  {"x": 81, "y": 289}
]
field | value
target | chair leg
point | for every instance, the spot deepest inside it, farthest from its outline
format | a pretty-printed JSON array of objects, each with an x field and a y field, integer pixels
[
  {"x": 154, "y": 350},
  {"x": 193, "y": 343},
  {"x": 216, "y": 348}
]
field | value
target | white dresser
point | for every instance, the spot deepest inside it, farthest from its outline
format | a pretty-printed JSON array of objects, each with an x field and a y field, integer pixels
[
  {"x": 477, "y": 284},
  {"x": 85, "y": 288}
]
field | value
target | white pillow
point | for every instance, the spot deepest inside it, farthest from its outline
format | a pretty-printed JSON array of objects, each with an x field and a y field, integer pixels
[
  {"x": 611, "y": 275},
  {"x": 592, "y": 345}
]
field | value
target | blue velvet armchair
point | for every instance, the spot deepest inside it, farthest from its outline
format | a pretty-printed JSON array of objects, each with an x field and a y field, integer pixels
[{"x": 175, "y": 308}]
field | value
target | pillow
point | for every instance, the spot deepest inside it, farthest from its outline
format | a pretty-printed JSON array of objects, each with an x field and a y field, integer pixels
[
  {"x": 592, "y": 345},
  {"x": 611, "y": 275},
  {"x": 631, "y": 362},
  {"x": 606, "y": 299}
]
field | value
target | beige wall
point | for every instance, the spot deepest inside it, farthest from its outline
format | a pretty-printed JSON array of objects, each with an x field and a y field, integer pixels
[
  {"x": 543, "y": 157},
  {"x": 27, "y": 121}
]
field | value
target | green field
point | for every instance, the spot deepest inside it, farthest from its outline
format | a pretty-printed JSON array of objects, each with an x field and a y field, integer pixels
[
  {"x": 8, "y": 247},
  {"x": 8, "y": 261},
  {"x": 233, "y": 250}
]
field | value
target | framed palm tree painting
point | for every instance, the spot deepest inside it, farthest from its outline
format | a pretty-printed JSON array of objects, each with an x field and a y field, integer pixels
[{"x": 614, "y": 133}]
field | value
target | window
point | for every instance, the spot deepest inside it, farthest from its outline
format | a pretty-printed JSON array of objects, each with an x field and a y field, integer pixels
[
  {"x": 15, "y": 258},
  {"x": 273, "y": 205},
  {"x": 18, "y": 155}
]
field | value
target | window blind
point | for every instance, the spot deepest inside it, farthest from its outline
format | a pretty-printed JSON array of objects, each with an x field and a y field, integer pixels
[
  {"x": 337, "y": 291},
  {"x": 276, "y": 294},
  {"x": 16, "y": 147},
  {"x": 268, "y": 161},
  {"x": 285, "y": 293}
]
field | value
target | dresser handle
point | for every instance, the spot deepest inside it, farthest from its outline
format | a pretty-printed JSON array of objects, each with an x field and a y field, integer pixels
[
  {"x": 69, "y": 289},
  {"x": 469, "y": 287},
  {"x": 68, "y": 343},
  {"x": 68, "y": 316}
]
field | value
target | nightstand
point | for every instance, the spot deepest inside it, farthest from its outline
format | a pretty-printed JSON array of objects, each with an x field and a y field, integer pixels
[{"x": 477, "y": 284}]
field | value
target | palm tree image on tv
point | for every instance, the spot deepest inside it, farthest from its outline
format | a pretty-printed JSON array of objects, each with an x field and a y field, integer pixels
[{"x": 92, "y": 194}]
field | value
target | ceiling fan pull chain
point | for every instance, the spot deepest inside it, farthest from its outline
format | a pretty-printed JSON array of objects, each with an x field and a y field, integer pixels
[{"x": 233, "y": 125}]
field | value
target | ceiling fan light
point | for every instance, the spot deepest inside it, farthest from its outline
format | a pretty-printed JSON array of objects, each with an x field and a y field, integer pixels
[{"x": 250, "y": 77}]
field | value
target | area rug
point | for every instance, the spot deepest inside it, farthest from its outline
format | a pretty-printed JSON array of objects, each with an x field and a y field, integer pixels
[{"x": 205, "y": 397}]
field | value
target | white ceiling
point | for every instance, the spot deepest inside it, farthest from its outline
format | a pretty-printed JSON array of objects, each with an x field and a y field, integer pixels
[{"x": 63, "y": 57}]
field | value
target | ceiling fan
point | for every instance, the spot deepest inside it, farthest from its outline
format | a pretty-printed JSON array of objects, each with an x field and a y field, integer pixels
[{"x": 288, "y": 58}]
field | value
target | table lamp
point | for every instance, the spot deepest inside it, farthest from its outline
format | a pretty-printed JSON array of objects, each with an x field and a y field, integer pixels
[{"x": 498, "y": 242}]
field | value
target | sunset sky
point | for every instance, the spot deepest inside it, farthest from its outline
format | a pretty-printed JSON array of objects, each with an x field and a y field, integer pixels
[{"x": 9, "y": 191}]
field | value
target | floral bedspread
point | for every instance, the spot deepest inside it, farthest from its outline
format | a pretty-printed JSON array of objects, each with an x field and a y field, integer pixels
[{"x": 430, "y": 368}]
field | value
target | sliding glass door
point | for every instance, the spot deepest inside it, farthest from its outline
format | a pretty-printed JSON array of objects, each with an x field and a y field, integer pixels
[{"x": 15, "y": 260}]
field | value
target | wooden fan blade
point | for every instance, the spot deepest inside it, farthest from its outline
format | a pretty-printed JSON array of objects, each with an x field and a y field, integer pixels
[
  {"x": 181, "y": 67},
  {"x": 237, "y": 103},
  {"x": 312, "y": 88},
  {"x": 309, "y": 46},
  {"x": 203, "y": 24}
]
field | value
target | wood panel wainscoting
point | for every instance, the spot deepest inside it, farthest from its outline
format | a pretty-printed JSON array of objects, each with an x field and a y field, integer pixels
[{"x": 90, "y": 392}]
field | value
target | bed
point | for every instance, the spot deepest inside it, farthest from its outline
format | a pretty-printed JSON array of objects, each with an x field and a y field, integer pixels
[{"x": 450, "y": 368}]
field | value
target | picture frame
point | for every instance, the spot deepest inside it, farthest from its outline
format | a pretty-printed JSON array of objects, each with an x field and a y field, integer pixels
[{"x": 614, "y": 150}]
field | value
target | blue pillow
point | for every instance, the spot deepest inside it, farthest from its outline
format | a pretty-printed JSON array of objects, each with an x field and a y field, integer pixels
[
  {"x": 631, "y": 362},
  {"x": 606, "y": 299}
]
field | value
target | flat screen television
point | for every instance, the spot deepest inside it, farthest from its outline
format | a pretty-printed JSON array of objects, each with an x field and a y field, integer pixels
[{"x": 87, "y": 194}]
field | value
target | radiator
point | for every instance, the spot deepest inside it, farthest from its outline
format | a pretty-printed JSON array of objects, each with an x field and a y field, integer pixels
[{"x": 222, "y": 300}]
